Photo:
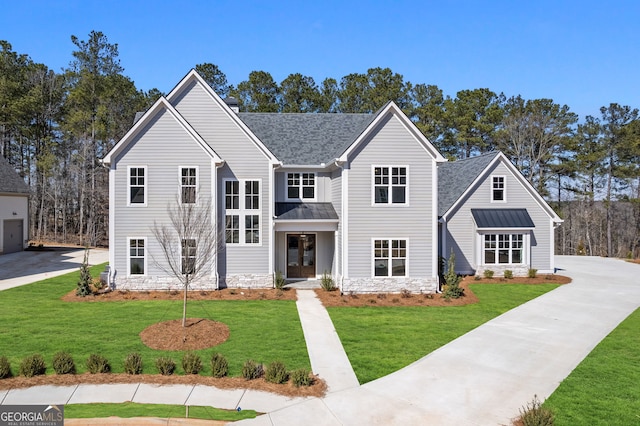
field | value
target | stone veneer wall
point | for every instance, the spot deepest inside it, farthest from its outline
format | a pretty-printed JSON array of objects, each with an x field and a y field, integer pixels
[
  {"x": 389, "y": 285},
  {"x": 142, "y": 283},
  {"x": 498, "y": 270},
  {"x": 247, "y": 281}
]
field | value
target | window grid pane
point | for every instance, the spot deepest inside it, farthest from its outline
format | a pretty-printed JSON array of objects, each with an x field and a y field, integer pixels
[
  {"x": 136, "y": 257},
  {"x": 136, "y": 185},
  {"x": 390, "y": 180}
]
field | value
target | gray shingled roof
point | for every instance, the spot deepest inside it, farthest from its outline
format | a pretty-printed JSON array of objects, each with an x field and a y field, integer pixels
[
  {"x": 456, "y": 176},
  {"x": 10, "y": 181},
  {"x": 306, "y": 211},
  {"x": 502, "y": 218},
  {"x": 309, "y": 139}
]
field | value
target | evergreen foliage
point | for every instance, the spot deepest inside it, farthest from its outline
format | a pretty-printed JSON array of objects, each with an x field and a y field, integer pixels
[
  {"x": 63, "y": 363},
  {"x": 276, "y": 372},
  {"x": 301, "y": 377},
  {"x": 191, "y": 363},
  {"x": 33, "y": 365},
  {"x": 165, "y": 365},
  {"x": 219, "y": 365},
  {"x": 133, "y": 363},
  {"x": 452, "y": 280},
  {"x": 84, "y": 283},
  {"x": 5, "y": 367},
  {"x": 97, "y": 364},
  {"x": 252, "y": 370}
]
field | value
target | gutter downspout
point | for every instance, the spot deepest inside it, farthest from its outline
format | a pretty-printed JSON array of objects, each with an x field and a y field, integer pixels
[{"x": 214, "y": 188}]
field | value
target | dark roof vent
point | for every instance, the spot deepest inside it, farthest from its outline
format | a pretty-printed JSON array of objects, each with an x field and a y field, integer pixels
[{"x": 232, "y": 103}]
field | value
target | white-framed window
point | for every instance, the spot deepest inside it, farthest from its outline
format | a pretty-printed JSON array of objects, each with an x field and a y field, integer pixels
[
  {"x": 390, "y": 184},
  {"x": 301, "y": 186},
  {"x": 498, "y": 189},
  {"x": 242, "y": 211},
  {"x": 137, "y": 182},
  {"x": 503, "y": 249},
  {"x": 188, "y": 255},
  {"x": 188, "y": 184},
  {"x": 390, "y": 258},
  {"x": 137, "y": 259}
]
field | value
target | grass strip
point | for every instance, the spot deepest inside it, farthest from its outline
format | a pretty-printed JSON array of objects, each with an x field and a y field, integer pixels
[
  {"x": 132, "y": 409},
  {"x": 381, "y": 340},
  {"x": 604, "y": 389}
]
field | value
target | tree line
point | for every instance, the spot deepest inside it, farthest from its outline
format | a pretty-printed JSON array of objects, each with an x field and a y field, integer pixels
[{"x": 56, "y": 126}]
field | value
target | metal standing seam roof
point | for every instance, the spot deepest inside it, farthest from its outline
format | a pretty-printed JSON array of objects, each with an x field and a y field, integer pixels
[
  {"x": 10, "y": 181},
  {"x": 305, "y": 211},
  {"x": 455, "y": 177},
  {"x": 307, "y": 139},
  {"x": 502, "y": 218}
]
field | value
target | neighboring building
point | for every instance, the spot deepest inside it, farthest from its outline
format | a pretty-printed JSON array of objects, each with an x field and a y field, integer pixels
[
  {"x": 351, "y": 195},
  {"x": 14, "y": 210}
]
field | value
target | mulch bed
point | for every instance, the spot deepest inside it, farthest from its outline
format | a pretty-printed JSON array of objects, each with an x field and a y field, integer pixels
[
  {"x": 317, "y": 389},
  {"x": 198, "y": 333}
]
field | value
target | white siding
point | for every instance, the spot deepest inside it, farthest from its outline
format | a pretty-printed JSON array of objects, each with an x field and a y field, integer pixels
[
  {"x": 391, "y": 145},
  {"x": 336, "y": 199},
  {"x": 461, "y": 232}
]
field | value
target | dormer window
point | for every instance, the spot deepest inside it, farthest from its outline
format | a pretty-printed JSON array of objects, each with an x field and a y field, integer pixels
[
  {"x": 498, "y": 189},
  {"x": 301, "y": 186}
]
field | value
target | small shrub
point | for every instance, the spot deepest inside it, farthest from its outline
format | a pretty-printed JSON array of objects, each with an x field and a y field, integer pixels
[
  {"x": 534, "y": 414},
  {"x": 165, "y": 365},
  {"x": 405, "y": 294},
  {"x": 63, "y": 363},
  {"x": 252, "y": 370},
  {"x": 5, "y": 368},
  {"x": 191, "y": 363},
  {"x": 301, "y": 377},
  {"x": 428, "y": 295},
  {"x": 326, "y": 282},
  {"x": 381, "y": 296},
  {"x": 84, "y": 283},
  {"x": 276, "y": 372},
  {"x": 33, "y": 365},
  {"x": 477, "y": 277},
  {"x": 452, "y": 280},
  {"x": 395, "y": 300},
  {"x": 488, "y": 273},
  {"x": 279, "y": 281},
  {"x": 98, "y": 364},
  {"x": 219, "y": 365},
  {"x": 133, "y": 363},
  {"x": 508, "y": 274},
  {"x": 532, "y": 272}
]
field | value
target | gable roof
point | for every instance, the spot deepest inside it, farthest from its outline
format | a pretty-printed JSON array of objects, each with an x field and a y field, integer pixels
[
  {"x": 390, "y": 108},
  {"x": 307, "y": 139},
  {"x": 193, "y": 76},
  {"x": 455, "y": 177},
  {"x": 10, "y": 181},
  {"x": 160, "y": 105}
]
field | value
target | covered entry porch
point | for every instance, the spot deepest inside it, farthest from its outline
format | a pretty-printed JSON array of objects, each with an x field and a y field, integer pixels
[{"x": 305, "y": 240}]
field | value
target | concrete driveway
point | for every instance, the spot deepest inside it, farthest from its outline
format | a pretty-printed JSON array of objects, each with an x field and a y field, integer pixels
[
  {"x": 25, "y": 267},
  {"x": 487, "y": 375}
]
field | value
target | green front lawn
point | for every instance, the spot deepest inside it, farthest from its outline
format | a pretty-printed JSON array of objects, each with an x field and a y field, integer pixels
[
  {"x": 604, "y": 389},
  {"x": 381, "y": 340},
  {"x": 131, "y": 409},
  {"x": 33, "y": 319}
]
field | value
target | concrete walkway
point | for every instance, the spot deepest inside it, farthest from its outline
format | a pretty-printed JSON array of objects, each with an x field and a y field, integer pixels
[
  {"x": 327, "y": 356},
  {"x": 487, "y": 375}
]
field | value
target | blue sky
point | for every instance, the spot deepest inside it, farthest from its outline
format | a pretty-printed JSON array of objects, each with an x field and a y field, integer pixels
[{"x": 585, "y": 54}]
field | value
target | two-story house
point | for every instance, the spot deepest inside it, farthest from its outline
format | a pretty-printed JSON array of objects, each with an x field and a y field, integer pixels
[{"x": 355, "y": 196}]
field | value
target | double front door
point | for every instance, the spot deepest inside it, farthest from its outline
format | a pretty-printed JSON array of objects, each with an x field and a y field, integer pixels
[{"x": 301, "y": 256}]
